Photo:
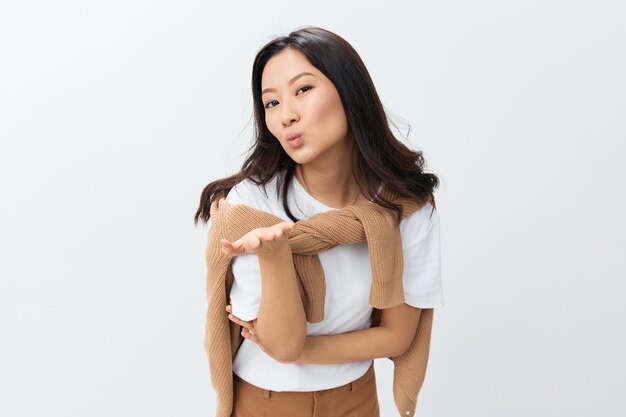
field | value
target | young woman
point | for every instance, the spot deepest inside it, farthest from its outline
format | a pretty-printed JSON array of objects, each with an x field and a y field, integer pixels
[{"x": 323, "y": 143}]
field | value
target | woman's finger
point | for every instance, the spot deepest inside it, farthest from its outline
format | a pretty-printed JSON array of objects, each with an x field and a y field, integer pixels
[
  {"x": 285, "y": 227},
  {"x": 249, "y": 335},
  {"x": 226, "y": 246},
  {"x": 282, "y": 228},
  {"x": 268, "y": 235},
  {"x": 239, "y": 247},
  {"x": 242, "y": 323},
  {"x": 232, "y": 248},
  {"x": 229, "y": 247}
]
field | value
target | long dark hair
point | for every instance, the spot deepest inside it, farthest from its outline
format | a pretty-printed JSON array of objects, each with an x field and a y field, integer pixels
[{"x": 377, "y": 155}]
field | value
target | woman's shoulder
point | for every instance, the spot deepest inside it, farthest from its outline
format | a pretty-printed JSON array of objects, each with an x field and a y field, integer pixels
[
  {"x": 250, "y": 193},
  {"x": 421, "y": 222}
]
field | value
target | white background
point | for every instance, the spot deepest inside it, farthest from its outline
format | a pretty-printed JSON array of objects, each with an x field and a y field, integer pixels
[{"x": 115, "y": 114}]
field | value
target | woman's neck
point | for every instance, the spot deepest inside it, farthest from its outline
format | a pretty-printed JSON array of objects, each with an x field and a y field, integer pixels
[{"x": 334, "y": 189}]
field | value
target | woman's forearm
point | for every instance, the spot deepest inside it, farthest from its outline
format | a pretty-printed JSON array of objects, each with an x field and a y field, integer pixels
[
  {"x": 392, "y": 337},
  {"x": 281, "y": 322},
  {"x": 375, "y": 342}
]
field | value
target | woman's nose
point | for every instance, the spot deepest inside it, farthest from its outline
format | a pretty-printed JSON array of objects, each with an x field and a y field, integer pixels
[{"x": 289, "y": 114}]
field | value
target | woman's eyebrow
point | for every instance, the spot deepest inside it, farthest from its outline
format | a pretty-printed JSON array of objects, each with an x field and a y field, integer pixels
[{"x": 293, "y": 80}]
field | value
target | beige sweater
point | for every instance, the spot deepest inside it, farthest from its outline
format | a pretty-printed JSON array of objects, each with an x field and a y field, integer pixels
[{"x": 321, "y": 232}]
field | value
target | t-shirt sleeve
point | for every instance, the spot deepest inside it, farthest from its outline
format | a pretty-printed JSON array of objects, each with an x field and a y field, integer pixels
[
  {"x": 245, "y": 294},
  {"x": 422, "y": 259}
]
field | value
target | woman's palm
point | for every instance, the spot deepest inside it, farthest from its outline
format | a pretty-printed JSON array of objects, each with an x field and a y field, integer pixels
[{"x": 262, "y": 240}]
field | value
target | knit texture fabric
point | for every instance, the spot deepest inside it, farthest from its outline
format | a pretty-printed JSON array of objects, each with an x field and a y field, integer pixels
[{"x": 323, "y": 231}]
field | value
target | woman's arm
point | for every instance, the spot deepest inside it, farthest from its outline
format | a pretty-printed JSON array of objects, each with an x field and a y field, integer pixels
[
  {"x": 280, "y": 318},
  {"x": 391, "y": 338},
  {"x": 281, "y": 321}
]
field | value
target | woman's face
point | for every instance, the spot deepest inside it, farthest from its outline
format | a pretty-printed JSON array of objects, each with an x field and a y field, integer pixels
[{"x": 306, "y": 104}]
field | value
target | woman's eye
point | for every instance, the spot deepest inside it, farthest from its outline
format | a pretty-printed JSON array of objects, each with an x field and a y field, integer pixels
[
  {"x": 267, "y": 105},
  {"x": 306, "y": 86}
]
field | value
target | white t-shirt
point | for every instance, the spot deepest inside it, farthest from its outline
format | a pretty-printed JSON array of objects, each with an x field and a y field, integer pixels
[{"x": 347, "y": 270}]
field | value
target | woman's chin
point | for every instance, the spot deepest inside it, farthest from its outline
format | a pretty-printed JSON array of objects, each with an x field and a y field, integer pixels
[{"x": 300, "y": 157}]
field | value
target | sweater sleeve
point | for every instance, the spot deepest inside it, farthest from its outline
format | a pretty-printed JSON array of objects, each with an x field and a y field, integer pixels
[
  {"x": 422, "y": 259},
  {"x": 245, "y": 294}
]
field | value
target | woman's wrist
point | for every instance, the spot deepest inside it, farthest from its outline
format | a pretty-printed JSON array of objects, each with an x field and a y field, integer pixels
[{"x": 281, "y": 252}]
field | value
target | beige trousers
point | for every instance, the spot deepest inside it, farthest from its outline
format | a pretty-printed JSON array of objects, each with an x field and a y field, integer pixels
[{"x": 355, "y": 399}]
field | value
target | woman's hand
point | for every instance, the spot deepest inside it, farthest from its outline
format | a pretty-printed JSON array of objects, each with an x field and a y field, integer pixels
[
  {"x": 262, "y": 241},
  {"x": 249, "y": 333}
]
